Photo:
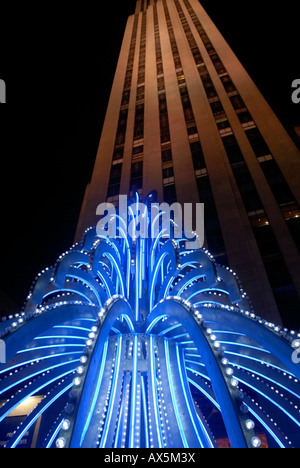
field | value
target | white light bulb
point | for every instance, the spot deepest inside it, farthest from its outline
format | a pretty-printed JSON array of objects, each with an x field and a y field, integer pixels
[
  {"x": 61, "y": 442},
  {"x": 250, "y": 425},
  {"x": 256, "y": 442},
  {"x": 66, "y": 425}
]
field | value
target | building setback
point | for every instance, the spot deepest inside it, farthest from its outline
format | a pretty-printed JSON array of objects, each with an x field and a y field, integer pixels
[{"x": 185, "y": 119}]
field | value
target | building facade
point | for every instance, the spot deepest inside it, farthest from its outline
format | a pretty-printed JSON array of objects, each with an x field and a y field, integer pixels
[{"x": 185, "y": 119}]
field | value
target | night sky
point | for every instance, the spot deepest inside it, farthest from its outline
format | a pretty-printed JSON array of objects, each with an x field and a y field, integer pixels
[{"x": 58, "y": 65}]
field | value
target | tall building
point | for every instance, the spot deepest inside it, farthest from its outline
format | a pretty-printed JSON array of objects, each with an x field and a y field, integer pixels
[
  {"x": 185, "y": 119},
  {"x": 142, "y": 341}
]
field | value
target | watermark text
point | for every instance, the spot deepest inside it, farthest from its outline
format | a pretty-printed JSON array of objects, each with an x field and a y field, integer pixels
[
  {"x": 2, "y": 352},
  {"x": 139, "y": 220},
  {"x": 296, "y": 93},
  {"x": 2, "y": 92},
  {"x": 296, "y": 353}
]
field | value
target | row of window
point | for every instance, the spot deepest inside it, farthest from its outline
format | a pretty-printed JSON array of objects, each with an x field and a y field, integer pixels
[
  {"x": 137, "y": 164},
  {"x": 165, "y": 137},
  {"x": 117, "y": 165},
  {"x": 212, "y": 225}
]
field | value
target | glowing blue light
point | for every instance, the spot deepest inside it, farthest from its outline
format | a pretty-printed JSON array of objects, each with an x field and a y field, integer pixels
[
  {"x": 95, "y": 397},
  {"x": 175, "y": 406},
  {"x": 132, "y": 428},
  {"x": 113, "y": 391},
  {"x": 110, "y": 325}
]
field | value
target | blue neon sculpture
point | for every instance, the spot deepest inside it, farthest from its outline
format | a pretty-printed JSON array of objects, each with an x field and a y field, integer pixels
[{"x": 142, "y": 343}]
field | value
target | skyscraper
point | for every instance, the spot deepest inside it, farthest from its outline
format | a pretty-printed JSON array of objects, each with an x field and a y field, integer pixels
[
  {"x": 132, "y": 341},
  {"x": 185, "y": 119}
]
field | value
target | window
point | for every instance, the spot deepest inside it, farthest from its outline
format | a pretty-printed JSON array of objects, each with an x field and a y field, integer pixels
[
  {"x": 208, "y": 86},
  {"x": 278, "y": 184},
  {"x": 126, "y": 97},
  {"x": 245, "y": 117},
  {"x": 113, "y": 191},
  {"x": 187, "y": 109},
  {"x": 213, "y": 231},
  {"x": 121, "y": 132},
  {"x": 115, "y": 180},
  {"x": 164, "y": 120},
  {"x": 218, "y": 64},
  {"x": 228, "y": 84},
  {"x": 138, "y": 150},
  {"x": 140, "y": 93},
  {"x": 118, "y": 153},
  {"x": 161, "y": 84},
  {"x": 166, "y": 155},
  {"x": 197, "y": 155},
  {"x": 233, "y": 150},
  {"x": 164, "y": 128},
  {"x": 237, "y": 102},
  {"x": 128, "y": 79},
  {"x": 217, "y": 108},
  {"x": 247, "y": 188},
  {"x": 168, "y": 172},
  {"x": 257, "y": 142},
  {"x": 139, "y": 122},
  {"x": 137, "y": 175},
  {"x": 170, "y": 193},
  {"x": 115, "y": 174}
]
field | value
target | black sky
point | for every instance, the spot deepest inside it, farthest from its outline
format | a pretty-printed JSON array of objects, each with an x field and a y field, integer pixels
[{"x": 58, "y": 64}]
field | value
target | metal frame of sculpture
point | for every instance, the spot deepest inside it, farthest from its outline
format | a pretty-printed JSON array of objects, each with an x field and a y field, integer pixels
[{"x": 137, "y": 342}]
